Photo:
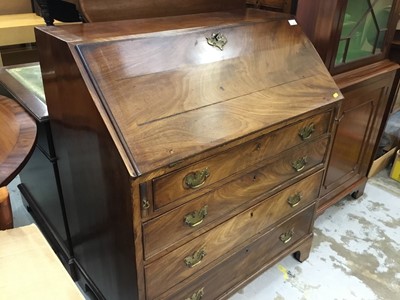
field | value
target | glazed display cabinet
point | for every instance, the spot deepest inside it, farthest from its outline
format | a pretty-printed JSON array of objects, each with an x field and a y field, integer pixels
[
  {"x": 353, "y": 38},
  {"x": 349, "y": 33}
]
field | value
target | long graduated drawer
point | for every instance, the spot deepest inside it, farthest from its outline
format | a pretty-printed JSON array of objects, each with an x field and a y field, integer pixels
[
  {"x": 234, "y": 267},
  {"x": 188, "y": 259},
  {"x": 203, "y": 175},
  {"x": 189, "y": 219}
]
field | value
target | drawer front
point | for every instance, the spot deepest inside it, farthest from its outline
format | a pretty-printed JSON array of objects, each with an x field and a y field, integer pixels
[
  {"x": 173, "y": 186},
  {"x": 193, "y": 218},
  {"x": 188, "y": 259},
  {"x": 227, "y": 274}
]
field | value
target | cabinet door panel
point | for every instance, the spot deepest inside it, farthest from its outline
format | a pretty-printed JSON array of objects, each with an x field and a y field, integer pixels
[
  {"x": 357, "y": 131},
  {"x": 350, "y": 143}
]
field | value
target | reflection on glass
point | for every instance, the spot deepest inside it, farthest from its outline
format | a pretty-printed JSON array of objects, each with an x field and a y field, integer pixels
[
  {"x": 364, "y": 28},
  {"x": 31, "y": 78}
]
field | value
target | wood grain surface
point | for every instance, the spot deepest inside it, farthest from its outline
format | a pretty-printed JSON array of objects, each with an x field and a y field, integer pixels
[
  {"x": 135, "y": 106},
  {"x": 18, "y": 134},
  {"x": 224, "y": 236},
  {"x": 251, "y": 260},
  {"x": 167, "y": 101},
  {"x": 169, "y": 230},
  {"x": 169, "y": 188}
]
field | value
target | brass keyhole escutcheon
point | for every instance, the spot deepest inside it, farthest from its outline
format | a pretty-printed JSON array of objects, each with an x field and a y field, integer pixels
[{"x": 217, "y": 40}]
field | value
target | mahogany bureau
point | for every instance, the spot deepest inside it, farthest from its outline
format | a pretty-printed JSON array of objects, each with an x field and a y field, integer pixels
[{"x": 191, "y": 149}]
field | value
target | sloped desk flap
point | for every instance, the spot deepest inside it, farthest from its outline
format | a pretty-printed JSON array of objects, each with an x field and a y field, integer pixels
[{"x": 173, "y": 94}]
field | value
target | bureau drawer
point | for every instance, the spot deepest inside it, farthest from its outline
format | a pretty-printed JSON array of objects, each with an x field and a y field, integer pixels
[
  {"x": 214, "y": 207},
  {"x": 226, "y": 274},
  {"x": 188, "y": 259},
  {"x": 173, "y": 186}
]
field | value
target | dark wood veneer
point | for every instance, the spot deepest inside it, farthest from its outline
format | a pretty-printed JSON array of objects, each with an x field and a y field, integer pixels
[
  {"x": 111, "y": 147},
  {"x": 17, "y": 139}
]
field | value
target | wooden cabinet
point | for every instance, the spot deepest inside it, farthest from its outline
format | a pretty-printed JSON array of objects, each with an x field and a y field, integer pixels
[
  {"x": 353, "y": 39},
  {"x": 359, "y": 125},
  {"x": 190, "y": 149},
  {"x": 349, "y": 33}
]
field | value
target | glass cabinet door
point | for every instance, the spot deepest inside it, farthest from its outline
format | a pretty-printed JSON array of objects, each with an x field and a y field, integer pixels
[{"x": 364, "y": 27}]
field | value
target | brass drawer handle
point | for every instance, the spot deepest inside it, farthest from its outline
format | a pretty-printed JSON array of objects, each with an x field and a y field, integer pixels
[
  {"x": 294, "y": 200},
  {"x": 194, "y": 180},
  {"x": 287, "y": 236},
  {"x": 306, "y": 132},
  {"x": 195, "y": 218},
  {"x": 195, "y": 259},
  {"x": 197, "y": 295},
  {"x": 299, "y": 164}
]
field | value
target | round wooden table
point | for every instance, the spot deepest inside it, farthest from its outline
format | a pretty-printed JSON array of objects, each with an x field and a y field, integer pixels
[{"x": 17, "y": 138}]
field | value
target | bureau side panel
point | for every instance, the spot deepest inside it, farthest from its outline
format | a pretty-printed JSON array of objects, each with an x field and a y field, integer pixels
[{"x": 95, "y": 183}]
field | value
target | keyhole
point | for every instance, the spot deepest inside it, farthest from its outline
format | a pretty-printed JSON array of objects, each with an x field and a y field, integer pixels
[{"x": 254, "y": 177}]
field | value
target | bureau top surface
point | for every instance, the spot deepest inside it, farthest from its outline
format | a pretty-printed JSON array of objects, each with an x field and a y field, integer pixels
[{"x": 171, "y": 95}]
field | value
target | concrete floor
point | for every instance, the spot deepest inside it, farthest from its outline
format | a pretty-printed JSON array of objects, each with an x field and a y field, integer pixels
[{"x": 355, "y": 254}]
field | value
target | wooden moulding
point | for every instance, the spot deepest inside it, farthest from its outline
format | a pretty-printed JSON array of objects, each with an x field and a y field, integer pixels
[{"x": 104, "y": 10}]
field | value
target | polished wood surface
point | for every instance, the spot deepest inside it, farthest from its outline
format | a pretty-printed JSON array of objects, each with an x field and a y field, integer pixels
[
  {"x": 168, "y": 188},
  {"x": 360, "y": 122},
  {"x": 18, "y": 134},
  {"x": 103, "y": 10},
  {"x": 217, "y": 244},
  {"x": 169, "y": 229},
  {"x": 138, "y": 107},
  {"x": 102, "y": 30},
  {"x": 212, "y": 95},
  {"x": 241, "y": 267}
]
